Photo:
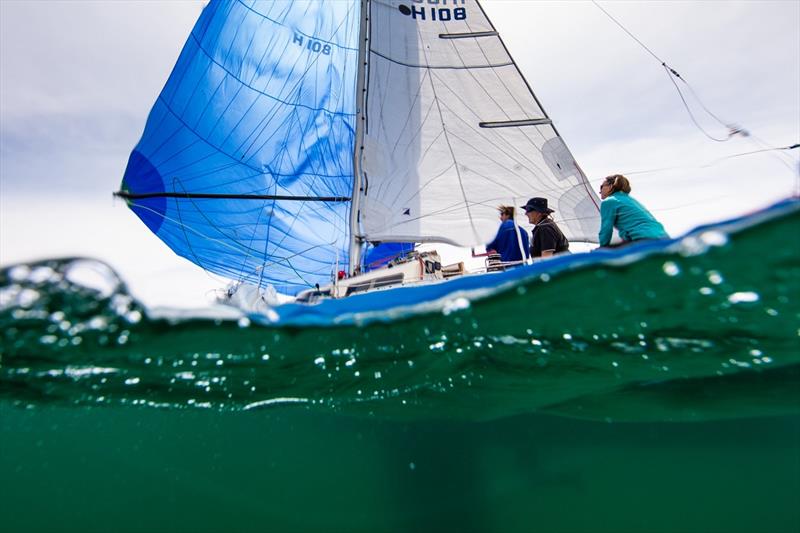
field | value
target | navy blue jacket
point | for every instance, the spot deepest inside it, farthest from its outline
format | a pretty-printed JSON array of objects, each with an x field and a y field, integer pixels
[{"x": 506, "y": 244}]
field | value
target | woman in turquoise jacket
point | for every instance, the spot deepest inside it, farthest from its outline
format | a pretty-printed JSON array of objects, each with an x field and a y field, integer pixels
[{"x": 618, "y": 210}]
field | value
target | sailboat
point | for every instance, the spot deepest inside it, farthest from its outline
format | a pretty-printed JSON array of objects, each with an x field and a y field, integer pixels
[{"x": 296, "y": 141}]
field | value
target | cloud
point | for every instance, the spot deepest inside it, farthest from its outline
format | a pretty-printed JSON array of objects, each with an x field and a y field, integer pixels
[
  {"x": 598, "y": 83},
  {"x": 77, "y": 80},
  {"x": 62, "y": 57}
]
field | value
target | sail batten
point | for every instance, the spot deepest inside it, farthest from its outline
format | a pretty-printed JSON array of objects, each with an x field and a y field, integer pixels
[
  {"x": 516, "y": 123},
  {"x": 468, "y": 35},
  {"x": 441, "y": 67}
]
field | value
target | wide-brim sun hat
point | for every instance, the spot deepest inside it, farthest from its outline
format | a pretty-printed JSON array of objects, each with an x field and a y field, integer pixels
[{"x": 537, "y": 204}]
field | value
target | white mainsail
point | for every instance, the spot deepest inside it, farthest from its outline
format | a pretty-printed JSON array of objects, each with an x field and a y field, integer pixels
[{"x": 453, "y": 130}]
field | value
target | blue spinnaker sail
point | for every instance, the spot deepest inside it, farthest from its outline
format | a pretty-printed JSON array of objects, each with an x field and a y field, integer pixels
[{"x": 245, "y": 166}]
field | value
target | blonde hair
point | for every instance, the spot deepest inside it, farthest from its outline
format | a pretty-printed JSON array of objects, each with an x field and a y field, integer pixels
[
  {"x": 506, "y": 210},
  {"x": 618, "y": 182}
]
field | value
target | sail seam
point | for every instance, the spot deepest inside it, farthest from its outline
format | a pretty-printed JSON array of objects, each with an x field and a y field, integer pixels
[
  {"x": 443, "y": 67},
  {"x": 237, "y": 78},
  {"x": 294, "y": 30},
  {"x": 544, "y": 112}
]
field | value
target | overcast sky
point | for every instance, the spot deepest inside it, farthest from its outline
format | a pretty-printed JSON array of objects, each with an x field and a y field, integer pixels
[{"x": 77, "y": 80}]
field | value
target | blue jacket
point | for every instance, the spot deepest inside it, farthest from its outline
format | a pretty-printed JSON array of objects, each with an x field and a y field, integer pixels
[
  {"x": 631, "y": 219},
  {"x": 506, "y": 244}
]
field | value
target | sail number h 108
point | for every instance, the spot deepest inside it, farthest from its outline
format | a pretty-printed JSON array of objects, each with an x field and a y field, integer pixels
[
  {"x": 312, "y": 44},
  {"x": 433, "y": 11}
]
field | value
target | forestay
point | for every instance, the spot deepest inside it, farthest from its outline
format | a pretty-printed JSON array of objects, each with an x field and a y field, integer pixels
[
  {"x": 245, "y": 166},
  {"x": 453, "y": 130}
]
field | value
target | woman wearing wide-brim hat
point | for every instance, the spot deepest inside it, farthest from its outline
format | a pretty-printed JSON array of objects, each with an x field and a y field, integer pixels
[{"x": 547, "y": 238}]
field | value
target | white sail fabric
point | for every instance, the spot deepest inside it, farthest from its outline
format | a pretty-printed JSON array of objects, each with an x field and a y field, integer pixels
[{"x": 442, "y": 148}]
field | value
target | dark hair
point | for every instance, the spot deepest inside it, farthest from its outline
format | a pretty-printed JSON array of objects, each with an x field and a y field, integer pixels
[
  {"x": 618, "y": 183},
  {"x": 506, "y": 210}
]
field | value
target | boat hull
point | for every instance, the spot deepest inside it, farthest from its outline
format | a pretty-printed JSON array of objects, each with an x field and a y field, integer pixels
[{"x": 457, "y": 293}]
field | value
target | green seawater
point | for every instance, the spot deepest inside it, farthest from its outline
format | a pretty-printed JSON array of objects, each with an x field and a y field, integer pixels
[{"x": 661, "y": 394}]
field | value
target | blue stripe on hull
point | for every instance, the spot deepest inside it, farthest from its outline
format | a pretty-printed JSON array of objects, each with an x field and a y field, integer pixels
[{"x": 391, "y": 304}]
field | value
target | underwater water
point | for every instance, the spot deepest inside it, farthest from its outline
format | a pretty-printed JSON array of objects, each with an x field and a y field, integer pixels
[{"x": 661, "y": 394}]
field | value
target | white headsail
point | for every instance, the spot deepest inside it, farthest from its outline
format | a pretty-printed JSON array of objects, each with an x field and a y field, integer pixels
[{"x": 453, "y": 129}]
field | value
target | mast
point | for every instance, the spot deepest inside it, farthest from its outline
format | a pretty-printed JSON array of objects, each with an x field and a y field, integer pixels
[{"x": 356, "y": 239}]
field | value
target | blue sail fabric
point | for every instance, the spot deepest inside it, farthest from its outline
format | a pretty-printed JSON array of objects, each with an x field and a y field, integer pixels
[
  {"x": 260, "y": 103},
  {"x": 380, "y": 254}
]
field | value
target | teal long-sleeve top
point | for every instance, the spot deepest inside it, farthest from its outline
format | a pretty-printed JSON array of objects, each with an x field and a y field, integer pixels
[{"x": 631, "y": 219}]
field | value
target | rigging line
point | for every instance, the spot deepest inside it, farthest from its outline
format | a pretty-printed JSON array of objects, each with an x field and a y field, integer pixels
[
  {"x": 168, "y": 139},
  {"x": 502, "y": 82},
  {"x": 706, "y": 109},
  {"x": 223, "y": 243},
  {"x": 497, "y": 140},
  {"x": 452, "y": 152},
  {"x": 615, "y": 21},
  {"x": 417, "y": 97},
  {"x": 689, "y": 111},
  {"x": 205, "y": 141},
  {"x": 283, "y": 25},
  {"x": 788, "y": 162},
  {"x": 672, "y": 73},
  {"x": 493, "y": 202},
  {"x": 310, "y": 185},
  {"x": 196, "y": 174},
  {"x": 183, "y": 228},
  {"x": 712, "y": 163},
  {"x": 231, "y": 100},
  {"x": 213, "y": 61},
  {"x": 760, "y": 142},
  {"x": 296, "y": 87},
  {"x": 238, "y": 26},
  {"x": 586, "y": 185},
  {"x": 538, "y": 104},
  {"x": 452, "y": 208},
  {"x": 497, "y": 137},
  {"x": 211, "y": 224},
  {"x": 408, "y": 183},
  {"x": 196, "y": 52},
  {"x": 526, "y": 132},
  {"x": 377, "y": 87},
  {"x": 471, "y": 74},
  {"x": 422, "y": 187},
  {"x": 698, "y": 202},
  {"x": 550, "y": 189},
  {"x": 409, "y": 145},
  {"x": 297, "y": 214},
  {"x": 266, "y": 238},
  {"x": 480, "y": 44},
  {"x": 508, "y": 171}
]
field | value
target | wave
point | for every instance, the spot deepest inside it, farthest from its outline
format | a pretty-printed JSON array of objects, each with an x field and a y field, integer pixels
[{"x": 686, "y": 333}]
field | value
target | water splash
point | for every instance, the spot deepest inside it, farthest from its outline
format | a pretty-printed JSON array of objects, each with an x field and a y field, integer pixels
[{"x": 673, "y": 336}]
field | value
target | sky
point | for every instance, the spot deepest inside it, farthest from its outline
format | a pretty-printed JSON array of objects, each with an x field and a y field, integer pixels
[{"x": 78, "y": 78}]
